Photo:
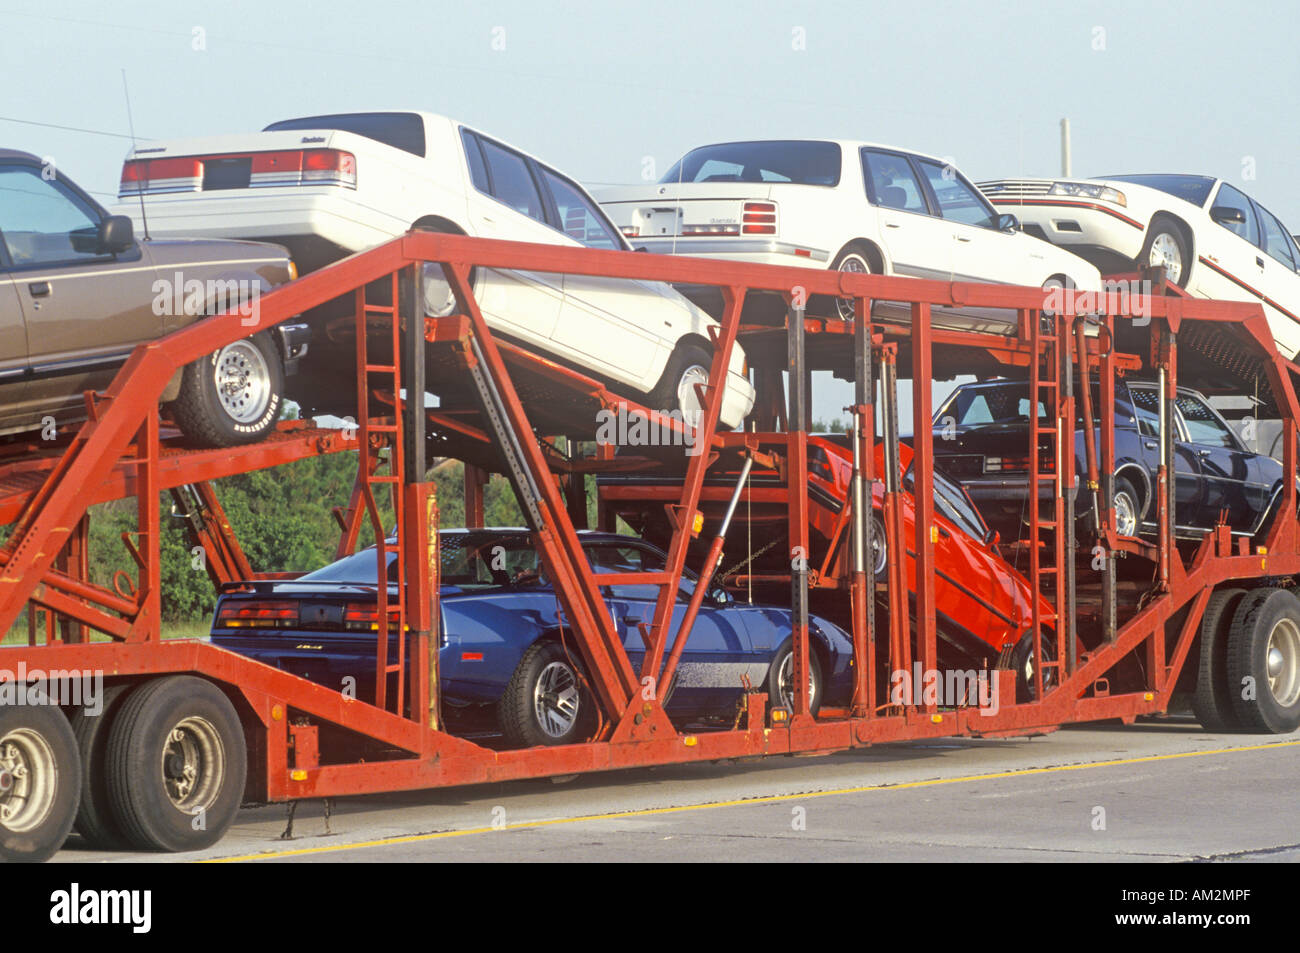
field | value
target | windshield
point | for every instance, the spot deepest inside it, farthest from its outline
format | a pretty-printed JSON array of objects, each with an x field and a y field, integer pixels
[
  {"x": 951, "y": 502},
  {"x": 800, "y": 163},
  {"x": 988, "y": 407},
  {"x": 403, "y": 131},
  {"x": 1190, "y": 188}
]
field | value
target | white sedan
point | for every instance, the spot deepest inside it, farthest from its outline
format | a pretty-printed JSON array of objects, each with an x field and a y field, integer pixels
[
  {"x": 329, "y": 186},
  {"x": 844, "y": 205},
  {"x": 1212, "y": 239}
]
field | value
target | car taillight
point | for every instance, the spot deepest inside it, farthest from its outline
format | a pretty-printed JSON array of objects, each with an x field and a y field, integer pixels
[
  {"x": 364, "y": 616},
  {"x": 265, "y": 170},
  {"x": 1005, "y": 464},
  {"x": 631, "y": 231},
  {"x": 329, "y": 167},
  {"x": 759, "y": 218},
  {"x": 161, "y": 175},
  {"x": 259, "y": 614},
  {"x": 275, "y": 168}
]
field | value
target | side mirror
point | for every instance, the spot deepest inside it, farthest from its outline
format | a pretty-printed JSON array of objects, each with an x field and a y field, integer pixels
[
  {"x": 1008, "y": 222},
  {"x": 115, "y": 235},
  {"x": 721, "y": 597},
  {"x": 1228, "y": 216}
]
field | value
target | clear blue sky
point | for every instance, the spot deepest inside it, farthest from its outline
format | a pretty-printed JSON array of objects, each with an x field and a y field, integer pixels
[{"x": 596, "y": 87}]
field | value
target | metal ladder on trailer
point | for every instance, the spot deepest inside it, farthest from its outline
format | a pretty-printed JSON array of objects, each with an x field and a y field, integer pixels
[{"x": 1051, "y": 561}]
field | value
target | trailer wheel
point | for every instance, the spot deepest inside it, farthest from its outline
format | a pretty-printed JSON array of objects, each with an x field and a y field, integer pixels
[
  {"x": 1264, "y": 662},
  {"x": 176, "y": 764},
  {"x": 234, "y": 395},
  {"x": 1212, "y": 701},
  {"x": 95, "y": 820},
  {"x": 546, "y": 701},
  {"x": 40, "y": 780},
  {"x": 780, "y": 678}
]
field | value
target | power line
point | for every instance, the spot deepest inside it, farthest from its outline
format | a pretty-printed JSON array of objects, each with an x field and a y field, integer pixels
[{"x": 51, "y": 125}]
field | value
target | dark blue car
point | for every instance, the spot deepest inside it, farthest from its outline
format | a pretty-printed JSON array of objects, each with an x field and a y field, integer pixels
[
  {"x": 505, "y": 663},
  {"x": 981, "y": 437}
]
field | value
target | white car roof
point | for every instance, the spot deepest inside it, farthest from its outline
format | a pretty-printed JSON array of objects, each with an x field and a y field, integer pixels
[{"x": 847, "y": 144}]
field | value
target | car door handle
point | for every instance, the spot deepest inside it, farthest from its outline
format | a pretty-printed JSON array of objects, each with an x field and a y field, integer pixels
[
  {"x": 1203, "y": 453},
  {"x": 632, "y": 620},
  {"x": 892, "y": 225},
  {"x": 1259, "y": 261},
  {"x": 962, "y": 238},
  {"x": 1150, "y": 444},
  {"x": 39, "y": 289}
]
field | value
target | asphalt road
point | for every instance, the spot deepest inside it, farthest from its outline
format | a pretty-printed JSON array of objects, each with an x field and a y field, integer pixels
[{"x": 1154, "y": 791}]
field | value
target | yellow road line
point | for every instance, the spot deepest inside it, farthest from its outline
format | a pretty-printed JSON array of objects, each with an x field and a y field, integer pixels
[{"x": 762, "y": 799}]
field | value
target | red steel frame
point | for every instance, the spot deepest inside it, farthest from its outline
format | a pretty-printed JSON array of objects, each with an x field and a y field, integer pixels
[{"x": 120, "y": 452}]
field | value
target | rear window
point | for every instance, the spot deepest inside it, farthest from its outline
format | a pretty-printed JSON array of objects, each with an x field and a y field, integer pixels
[
  {"x": 403, "y": 131},
  {"x": 1189, "y": 188},
  {"x": 796, "y": 162}
]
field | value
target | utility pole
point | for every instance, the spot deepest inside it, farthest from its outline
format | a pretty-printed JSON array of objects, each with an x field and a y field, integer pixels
[{"x": 1065, "y": 148}]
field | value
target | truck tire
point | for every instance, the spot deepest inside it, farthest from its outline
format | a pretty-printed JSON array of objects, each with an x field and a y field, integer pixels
[
  {"x": 176, "y": 764},
  {"x": 40, "y": 781},
  {"x": 1264, "y": 662},
  {"x": 546, "y": 701},
  {"x": 95, "y": 821},
  {"x": 234, "y": 395},
  {"x": 1212, "y": 701},
  {"x": 780, "y": 692}
]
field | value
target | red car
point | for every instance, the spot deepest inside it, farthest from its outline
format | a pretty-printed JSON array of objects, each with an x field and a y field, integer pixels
[{"x": 982, "y": 602}]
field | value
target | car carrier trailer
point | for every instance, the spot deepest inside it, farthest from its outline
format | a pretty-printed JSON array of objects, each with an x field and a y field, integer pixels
[{"x": 189, "y": 732}]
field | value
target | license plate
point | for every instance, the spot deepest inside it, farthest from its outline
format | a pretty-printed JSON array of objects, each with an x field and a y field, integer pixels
[{"x": 232, "y": 173}]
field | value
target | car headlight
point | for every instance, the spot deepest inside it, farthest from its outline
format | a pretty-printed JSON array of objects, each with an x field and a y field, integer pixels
[{"x": 1103, "y": 192}]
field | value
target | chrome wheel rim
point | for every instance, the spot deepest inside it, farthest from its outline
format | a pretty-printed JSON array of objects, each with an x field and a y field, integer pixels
[
  {"x": 1282, "y": 661},
  {"x": 878, "y": 550},
  {"x": 29, "y": 780},
  {"x": 243, "y": 382},
  {"x": 1165, "y": 251},
  {"x": 785, "y": 681},
  {"x": 193, "y": 764},
  {"x": 439, "y": 299},
  {"x": 1028, "y": 669},
  {"x": 855, "y": 265},
  {"x": 1125, "y": 515},
  {"x": 555, "y": 699},
  {"x": 688, "y": 400}
]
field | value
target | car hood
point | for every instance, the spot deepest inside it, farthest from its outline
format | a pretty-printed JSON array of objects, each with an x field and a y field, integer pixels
[{"x": 186, "y": 251}]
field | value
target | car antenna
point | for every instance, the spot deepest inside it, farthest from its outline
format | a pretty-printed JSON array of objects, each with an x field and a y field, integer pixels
[{"x": 130, "y": 122}]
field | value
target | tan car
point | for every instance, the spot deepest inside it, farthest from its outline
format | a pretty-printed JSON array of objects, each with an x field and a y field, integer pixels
[{"x": 78, "y": 292}]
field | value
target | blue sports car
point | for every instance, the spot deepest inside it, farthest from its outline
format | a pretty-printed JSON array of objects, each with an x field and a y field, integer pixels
[{"x": 506, "y": 665}]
